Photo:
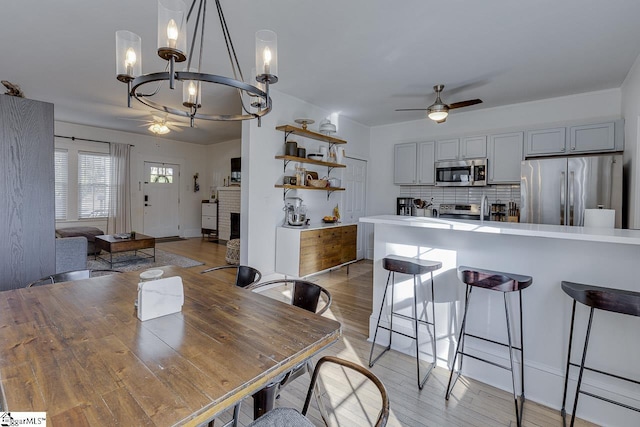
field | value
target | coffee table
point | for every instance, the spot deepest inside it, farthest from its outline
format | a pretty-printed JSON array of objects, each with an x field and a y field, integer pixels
[{"x": 112, "y": 244}]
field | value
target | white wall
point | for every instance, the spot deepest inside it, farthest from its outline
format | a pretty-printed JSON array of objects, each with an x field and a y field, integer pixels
[
  {"x": 579, "y": 107},
  {"x": 631, "y": 111},
  {"x": 262, "y": 203},
  {"x": 192, "y": 158},
  {"x": 220, "y": 156}
]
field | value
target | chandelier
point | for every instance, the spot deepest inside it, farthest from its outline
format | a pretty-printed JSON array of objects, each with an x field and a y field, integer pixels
[{"x": 173, "y": 18}]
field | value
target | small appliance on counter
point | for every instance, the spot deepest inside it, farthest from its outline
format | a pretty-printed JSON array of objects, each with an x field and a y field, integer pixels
[
  {"x": 405, "y": 206},
  {"x": 295, "y": 213}
]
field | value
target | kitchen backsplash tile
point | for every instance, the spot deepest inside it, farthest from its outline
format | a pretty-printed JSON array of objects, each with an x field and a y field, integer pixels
[{"x": 495, "y": 193}]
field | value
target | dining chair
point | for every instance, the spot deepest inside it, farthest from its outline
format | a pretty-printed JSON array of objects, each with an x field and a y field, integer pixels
[
  {"x": 245, "y": 275},
  {"x": 289, "y": 417},
  {"x": 306, "y": 295},
  {"x": 68, "y": 276}
]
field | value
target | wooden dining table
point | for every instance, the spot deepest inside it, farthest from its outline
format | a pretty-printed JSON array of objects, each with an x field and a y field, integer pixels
[{"x": 77, "y": 350}]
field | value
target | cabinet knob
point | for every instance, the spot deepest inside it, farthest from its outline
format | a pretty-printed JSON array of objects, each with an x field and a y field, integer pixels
[
  {"x": 573, "y": 148},
  {"x": 562, "y": 149}
]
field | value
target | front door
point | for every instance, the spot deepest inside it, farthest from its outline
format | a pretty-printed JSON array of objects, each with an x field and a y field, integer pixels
[
  {"x": 161, "y": 199},
  {"x": 355, "y": 178}
]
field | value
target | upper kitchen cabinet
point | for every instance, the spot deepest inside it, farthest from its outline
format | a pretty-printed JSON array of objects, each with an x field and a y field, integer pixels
[
  {"x": 474, "y": 147},
  {"x": 505, "y": 154},
  {"x": 404, "y": 164},
  {"x": 597, "y": 137},
  {"x": 543, "y": 142},
  {"x": 426, "y": 163},
  {"x": 590, "y": 138},
  {"x": 414, "y": 163}
]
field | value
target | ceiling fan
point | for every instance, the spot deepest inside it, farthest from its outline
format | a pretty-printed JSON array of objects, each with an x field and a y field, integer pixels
[
  {"x": 159, "y": 125},
  {"x": 438, "y": 111}
]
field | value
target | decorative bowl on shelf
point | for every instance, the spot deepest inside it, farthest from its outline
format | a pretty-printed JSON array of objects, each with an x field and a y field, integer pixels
[
  {"x": 315, "y": 156},
  {"x": 318, "y": 183}
]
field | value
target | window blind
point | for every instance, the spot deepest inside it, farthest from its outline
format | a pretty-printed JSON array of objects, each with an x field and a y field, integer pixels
[
  {"x": 93, "y": 185},
  {"x": 61, "y": 162}
]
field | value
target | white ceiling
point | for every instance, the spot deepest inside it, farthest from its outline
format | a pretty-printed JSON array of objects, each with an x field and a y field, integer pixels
[{"x": 364, "y": 58}]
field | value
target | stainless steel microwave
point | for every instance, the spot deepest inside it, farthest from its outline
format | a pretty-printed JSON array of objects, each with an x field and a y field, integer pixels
[{"x": 462, "y": 173}]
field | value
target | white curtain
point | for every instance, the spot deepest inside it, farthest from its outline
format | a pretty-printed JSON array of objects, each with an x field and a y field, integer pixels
[{"x": 119, "y": 220}]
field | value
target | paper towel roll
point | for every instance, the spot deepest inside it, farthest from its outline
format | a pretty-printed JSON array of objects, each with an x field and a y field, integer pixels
[{"x": 600, "y": 218}]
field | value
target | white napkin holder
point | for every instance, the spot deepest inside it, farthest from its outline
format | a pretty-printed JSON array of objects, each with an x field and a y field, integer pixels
[{"x": 160, "y": 297}]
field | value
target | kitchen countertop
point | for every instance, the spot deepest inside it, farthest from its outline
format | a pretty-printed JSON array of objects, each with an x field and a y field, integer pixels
[
  {"x": 591, "y": 234},
  {"x": 315, "y": 226}
]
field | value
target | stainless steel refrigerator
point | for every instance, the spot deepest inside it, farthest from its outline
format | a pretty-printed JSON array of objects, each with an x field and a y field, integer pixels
[{"x": 558, "y": 190}]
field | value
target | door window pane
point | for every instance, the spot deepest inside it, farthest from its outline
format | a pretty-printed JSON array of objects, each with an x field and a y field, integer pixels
[{"x": 161, "y": 175}]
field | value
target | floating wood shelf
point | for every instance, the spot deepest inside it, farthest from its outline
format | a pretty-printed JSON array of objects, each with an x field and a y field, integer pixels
[
  {"x": 308, "y": 187},
  {"x": 289, "y": 129},
  {"x": 310, "y": 161}
]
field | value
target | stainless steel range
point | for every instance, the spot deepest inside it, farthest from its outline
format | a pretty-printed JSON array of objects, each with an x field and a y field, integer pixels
[{"x": 461, "y": 211}]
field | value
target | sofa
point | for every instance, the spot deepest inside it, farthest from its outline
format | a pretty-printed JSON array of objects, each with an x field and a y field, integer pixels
[
  {"x": 71, "y": 254},
  {"x": 89, "y": 233}
]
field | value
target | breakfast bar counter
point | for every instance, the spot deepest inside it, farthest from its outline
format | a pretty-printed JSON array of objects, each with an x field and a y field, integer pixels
[{"x": 549, "y": 254}]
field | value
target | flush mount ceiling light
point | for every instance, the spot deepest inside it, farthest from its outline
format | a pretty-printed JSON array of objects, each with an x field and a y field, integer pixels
[{"x": 172, "y": 47}]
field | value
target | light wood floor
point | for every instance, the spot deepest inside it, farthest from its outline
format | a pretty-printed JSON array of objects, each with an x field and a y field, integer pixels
[{"x": 471, "y": 404}]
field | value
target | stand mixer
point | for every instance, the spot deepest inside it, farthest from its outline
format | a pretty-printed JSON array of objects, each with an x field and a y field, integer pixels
[{"x": 295, "y": 213}]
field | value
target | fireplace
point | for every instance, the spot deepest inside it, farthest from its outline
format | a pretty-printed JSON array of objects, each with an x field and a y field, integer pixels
[{"x": 235, "y": 226}]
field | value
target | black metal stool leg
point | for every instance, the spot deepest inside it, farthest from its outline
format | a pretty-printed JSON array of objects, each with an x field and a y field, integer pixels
[
  {"x": 375, "y": 334},
  {"x": 584, "y": 357},
  {"x": 460, "y": 338},
  {"x": 563, "y": 411},
  {"x": 466, "y": 297},
  {"x": 433, "y": 320},
  {"x": 513, "y": 377},
  {"x": 421, "y": 380},
  {"x": 521, "y": 350}
]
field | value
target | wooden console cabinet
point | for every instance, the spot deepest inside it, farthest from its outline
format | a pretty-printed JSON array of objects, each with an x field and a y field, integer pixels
[{"x": 302, "y": 252}]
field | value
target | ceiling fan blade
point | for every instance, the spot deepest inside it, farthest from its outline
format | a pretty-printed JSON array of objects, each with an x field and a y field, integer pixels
[
  {"x": 411, "y": 109},
  {"x": 465, "y": 103},
  {"x": 172, "y": 127}
]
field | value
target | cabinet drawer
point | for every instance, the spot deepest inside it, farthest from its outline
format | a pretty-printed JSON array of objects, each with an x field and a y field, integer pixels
[
  {"x": 209, "y": 209},
  {"x": 209, "y": 222}
]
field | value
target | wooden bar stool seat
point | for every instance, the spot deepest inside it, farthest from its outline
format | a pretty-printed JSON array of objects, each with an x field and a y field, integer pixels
[
  {"x": 415, "y": 267},
  {"x": 607, "y": 299},
  {"x": 500, "y": 282}
]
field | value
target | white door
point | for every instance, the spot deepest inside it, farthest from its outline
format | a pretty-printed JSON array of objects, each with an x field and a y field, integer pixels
[
  {"x": 355, "y": 180},
  {"x": 161, "y": 199}
]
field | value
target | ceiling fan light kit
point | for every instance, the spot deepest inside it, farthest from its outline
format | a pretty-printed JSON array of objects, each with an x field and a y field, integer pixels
[
  {"x": 159, "y": 129},
  {"x": 439, "y": 111},
  {"x": 172, "y": 47}
]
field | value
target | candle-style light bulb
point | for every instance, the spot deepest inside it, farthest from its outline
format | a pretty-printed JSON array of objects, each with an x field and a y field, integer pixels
[
  {"x": 266, "y": 55},
  {"x": 130, "y": 60},
  {"x": 172, "y": 34},
  {"x": 193, "y": 92}
]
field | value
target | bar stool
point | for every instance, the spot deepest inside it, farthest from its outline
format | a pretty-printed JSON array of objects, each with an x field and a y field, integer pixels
[
  {"x": 398, "y": 264},
  {"x": 615, "y": 300},
  {"x": 501, "y": 282}
]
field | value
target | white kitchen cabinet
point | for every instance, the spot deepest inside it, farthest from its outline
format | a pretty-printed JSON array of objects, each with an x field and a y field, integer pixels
[
  {"x": 596, "y": 137},
  {"x": 504, "y": 157},
  {"x": 426, "y": 163},
  {"x": 414, "y": 163},
  {"x": 448, "y": 149},
  {"x": 579, "y": 139},
  {"x": 474, "y": 147},
  {"x": 543, "y": 142},
  {"x": 405, "y": 163}
]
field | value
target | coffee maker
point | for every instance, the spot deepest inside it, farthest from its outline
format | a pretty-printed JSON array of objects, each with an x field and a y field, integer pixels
[
  {"x": 295, "y": 213},
  {"x": 405, "y": 206}
]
